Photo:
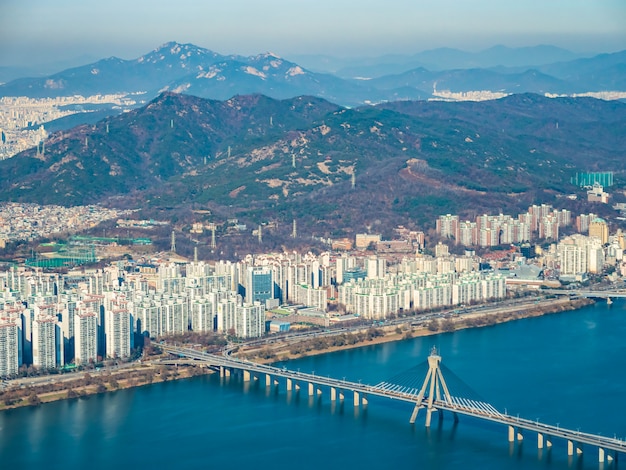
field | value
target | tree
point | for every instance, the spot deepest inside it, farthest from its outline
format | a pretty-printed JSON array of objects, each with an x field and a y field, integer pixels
[
  {"x": 448, "y": 325},
  {"x": 149, "y": 376},
  {"x": 9, "y": 398},
  {"x": 34, "y": 399}
]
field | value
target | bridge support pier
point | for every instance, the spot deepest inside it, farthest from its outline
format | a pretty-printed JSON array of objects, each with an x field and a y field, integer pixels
[
  {"x": 543, "y": 440},
  {"x": 414, "y": 414},
  {"x": 246, "y": 375},
  {"x": 289, "y": 385},
  {"x": 336, "y": 394},
  {"x": 364, "y": 400},
  {"x": 571, "y": 447},
  {"x": 433, "y": 389},
  {"x": 601, "y": 455},
  {"x": 357, "y": 399},
  {"x": 268, "y": 380},
  {"x": 311, "y": 389},
  {"x": 517, "y": 434},
  {"x": 224, "y": 371},
  {"x": 429, "y": 415}
]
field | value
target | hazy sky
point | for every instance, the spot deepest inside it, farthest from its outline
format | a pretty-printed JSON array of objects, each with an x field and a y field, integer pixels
[{"x": 43, "y": 31}]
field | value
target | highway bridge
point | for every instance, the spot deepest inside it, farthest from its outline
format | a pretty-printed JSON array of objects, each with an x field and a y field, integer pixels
[
  {"x": 588, "y": 293},
  {"x": 431, "y": 395}
]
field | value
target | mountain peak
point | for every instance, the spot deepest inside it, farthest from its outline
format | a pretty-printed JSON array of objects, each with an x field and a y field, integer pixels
[
  {"x": 173, "y": 49},
  {"x": 268, "y": 55},
  {"x": 167, "y": 45}
]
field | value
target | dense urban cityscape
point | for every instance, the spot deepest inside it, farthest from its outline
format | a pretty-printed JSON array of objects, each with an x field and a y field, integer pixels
[
  {"x": 23, "y": 119},
  {"x": 330, "y": 234},
  {"x": 50, "y": 320}
]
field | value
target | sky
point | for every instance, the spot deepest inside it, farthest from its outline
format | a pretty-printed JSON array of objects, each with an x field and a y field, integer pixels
[{"x": 49, "y": 31}]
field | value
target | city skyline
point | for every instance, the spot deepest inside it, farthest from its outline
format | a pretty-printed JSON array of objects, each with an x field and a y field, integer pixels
[{"x": 40, "y": 32}]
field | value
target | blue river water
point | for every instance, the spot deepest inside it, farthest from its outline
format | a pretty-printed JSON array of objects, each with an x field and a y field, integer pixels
[{"x": 567, "y": 368}]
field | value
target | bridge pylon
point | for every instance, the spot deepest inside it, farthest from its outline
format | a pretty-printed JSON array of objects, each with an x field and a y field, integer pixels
[{"x": 436, "y": 387}]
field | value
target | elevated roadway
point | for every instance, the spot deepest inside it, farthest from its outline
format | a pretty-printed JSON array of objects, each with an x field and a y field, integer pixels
[{"x": 433, "y": 396}]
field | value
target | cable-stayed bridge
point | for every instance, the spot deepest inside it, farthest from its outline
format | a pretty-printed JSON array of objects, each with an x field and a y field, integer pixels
[{"x": 431, "y": 394}]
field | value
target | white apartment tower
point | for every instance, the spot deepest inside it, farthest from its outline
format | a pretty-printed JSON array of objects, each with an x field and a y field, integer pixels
[
  {"x": 573, "y": 255},
  {"x": 376, "y": 268},
  {"x": 226, "y": 316},
  {"x": 47, "y": 353},
  {"x": 448, "y": 226},
  {"x": 117, "y": 332},
  {"x": 85, "y": 338},
  {"x": 9, "y": 348},
  {"x": 250, "y": 320},
  {"x": 202, "y": 314}
]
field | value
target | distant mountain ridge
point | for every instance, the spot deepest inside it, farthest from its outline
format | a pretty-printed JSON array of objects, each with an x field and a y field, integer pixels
[
  {"x": 201, "y": 72},
  {"x": 147, "y": 73},
  {"x": 258, "y": 158},
  {"x": 440, "y": 59}
]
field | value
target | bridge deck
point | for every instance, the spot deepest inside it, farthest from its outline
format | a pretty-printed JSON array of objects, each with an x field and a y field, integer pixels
[
  {"x": 596, "y": 294},
  {"x": 452, "y": 404}
]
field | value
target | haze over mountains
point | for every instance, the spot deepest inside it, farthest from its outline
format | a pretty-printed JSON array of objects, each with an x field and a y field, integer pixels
[
  {"x": 200, "y": 72},
  {"x": 438, "y": 60}
]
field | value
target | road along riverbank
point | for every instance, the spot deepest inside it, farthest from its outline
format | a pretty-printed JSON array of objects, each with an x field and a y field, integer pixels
[
  {"x": 75, "y": 386},
  {"x": 414, "y": 326}
]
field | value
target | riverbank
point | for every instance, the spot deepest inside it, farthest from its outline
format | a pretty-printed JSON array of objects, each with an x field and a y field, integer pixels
[
  {"x": 284, "y": 351},
  {"x": 77, "y": 386}
]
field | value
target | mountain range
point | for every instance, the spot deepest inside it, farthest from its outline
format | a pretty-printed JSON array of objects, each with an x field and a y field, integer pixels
[
  {"x": 200, "y": 72},
  {"x": 438, "y": 60},
  {"x": 333, "y": 168}
]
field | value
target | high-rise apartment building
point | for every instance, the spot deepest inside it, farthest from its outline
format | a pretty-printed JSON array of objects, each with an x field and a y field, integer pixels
[
  {"x": 226, "y": 311},
  {"x": 85, "y": 337},
  {"x": 599, "y": 229},
  {"x": 250, "y": 320},
  {"x": 9, "y": 348},
  {"x": 47, "y": 350},
  {"x": 583, "y": 221},
  {"x": 203, "y": 314},
  {"x": 117, "y": 332},
  {"x": 572, "y": 255},
  {"x": 448, "y": 226}
]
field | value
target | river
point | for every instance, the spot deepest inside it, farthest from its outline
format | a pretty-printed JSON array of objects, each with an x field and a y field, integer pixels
[{"x": 567, "y": 368}]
